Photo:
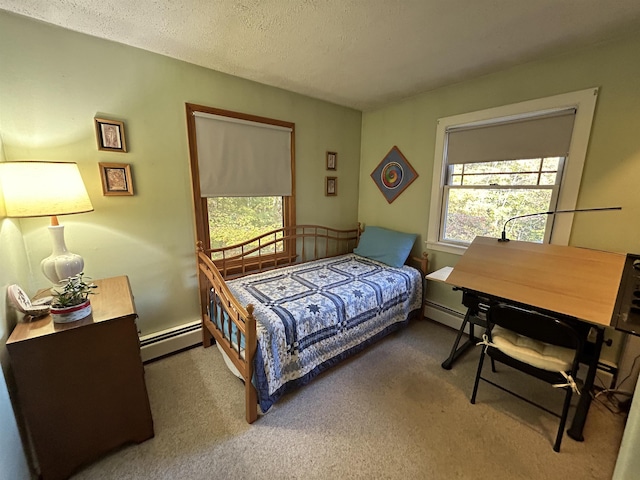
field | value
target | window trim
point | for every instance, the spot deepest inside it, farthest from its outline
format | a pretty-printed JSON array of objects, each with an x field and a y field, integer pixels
[
  {"x": 584, "y": 101},
  {"x": 200, "y": 203}
]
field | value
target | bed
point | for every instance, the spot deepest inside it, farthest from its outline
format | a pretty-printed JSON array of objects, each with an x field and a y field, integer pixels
[{"x": 288, "y": 305}]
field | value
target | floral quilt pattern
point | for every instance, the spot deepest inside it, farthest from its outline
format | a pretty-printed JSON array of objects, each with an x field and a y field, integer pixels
[{"x": 312, "y": 315}]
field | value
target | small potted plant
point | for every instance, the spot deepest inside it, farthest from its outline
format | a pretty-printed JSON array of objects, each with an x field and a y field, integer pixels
[{"x": 71, "y": 300}]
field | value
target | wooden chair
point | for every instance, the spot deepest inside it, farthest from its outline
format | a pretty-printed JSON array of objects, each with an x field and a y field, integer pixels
[{"x": 540, "y": 345}]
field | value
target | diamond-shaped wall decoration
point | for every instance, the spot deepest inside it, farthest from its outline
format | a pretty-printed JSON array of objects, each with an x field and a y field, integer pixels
[{"x": 393, "y": 174}]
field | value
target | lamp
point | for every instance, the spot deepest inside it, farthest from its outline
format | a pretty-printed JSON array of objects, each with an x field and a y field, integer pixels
[
  {"x": 504, "y": 238},
  {"x": 37, "y": 189}
]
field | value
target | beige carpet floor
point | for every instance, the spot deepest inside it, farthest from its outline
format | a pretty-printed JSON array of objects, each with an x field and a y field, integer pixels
[{"x": 391, "y": 412}]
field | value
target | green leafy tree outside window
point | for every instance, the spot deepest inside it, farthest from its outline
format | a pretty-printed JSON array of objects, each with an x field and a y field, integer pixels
[
  {"x": 481, "y": 197},
  {"x": 236, "y": 219}
]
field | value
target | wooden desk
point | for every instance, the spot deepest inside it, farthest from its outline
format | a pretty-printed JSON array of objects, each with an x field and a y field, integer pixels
[
  {"x": 81, "y": 385},
  {"x": 572, "y": 281},
  {"x": 578, "y": 283}
]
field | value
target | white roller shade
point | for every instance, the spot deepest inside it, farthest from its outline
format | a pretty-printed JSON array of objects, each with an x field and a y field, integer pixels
[
  {"x": 239, "y": 158},
  {"x": 537, "y": 137}
]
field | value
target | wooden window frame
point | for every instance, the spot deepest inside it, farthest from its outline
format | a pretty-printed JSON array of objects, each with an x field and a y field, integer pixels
[{"x": 200, "y": 203}]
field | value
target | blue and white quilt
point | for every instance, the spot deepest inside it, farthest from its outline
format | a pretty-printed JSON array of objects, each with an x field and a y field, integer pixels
[{"x": 311, "y": 316}]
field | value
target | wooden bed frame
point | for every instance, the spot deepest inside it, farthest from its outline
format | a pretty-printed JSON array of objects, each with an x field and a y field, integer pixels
[{"x": 277, "y": 248}]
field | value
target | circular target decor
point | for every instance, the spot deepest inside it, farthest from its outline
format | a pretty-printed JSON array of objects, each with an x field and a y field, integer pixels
[{"x": 393, "y": 174}]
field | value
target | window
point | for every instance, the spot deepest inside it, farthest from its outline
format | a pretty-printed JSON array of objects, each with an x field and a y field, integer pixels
[
  {"x": 480, "y": 197},
  {"x": 519, "y": 159},
  {"x": 236, "y": 219},
  {"x": 242, "y": 174}
]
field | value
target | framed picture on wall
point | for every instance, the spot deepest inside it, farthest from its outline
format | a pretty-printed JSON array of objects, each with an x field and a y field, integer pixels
[
  {"x": 116, "y": 179},
  {"x": 332, "y": 160},
  {"x": 331, "y": 186},
  {"x": 393, "y": 174},
  {"x": 110, "y": 135}
]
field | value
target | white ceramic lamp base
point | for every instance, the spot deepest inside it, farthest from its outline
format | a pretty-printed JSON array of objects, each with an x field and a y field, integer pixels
[{"x": 61, "y": 263}]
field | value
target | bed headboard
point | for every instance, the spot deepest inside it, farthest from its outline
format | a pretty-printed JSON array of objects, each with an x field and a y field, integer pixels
[{"x": 284, "y": 246}]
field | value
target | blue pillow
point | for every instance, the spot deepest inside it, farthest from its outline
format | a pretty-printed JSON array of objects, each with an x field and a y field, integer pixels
[{"x": 386, "y": 246}]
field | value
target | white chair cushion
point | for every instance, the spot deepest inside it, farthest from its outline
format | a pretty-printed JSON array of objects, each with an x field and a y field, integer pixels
[{"x": 539, "y": 354}]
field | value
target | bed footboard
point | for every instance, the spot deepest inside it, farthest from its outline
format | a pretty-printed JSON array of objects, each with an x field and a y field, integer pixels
[{"x": 231, "y": 325}]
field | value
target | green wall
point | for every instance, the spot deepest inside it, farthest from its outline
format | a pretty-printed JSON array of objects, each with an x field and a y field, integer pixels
[
  {"x": 53, "y": 82},
  {"x": 612, "y": 166},
  {"x": 13, "y": 259},
  {"x": 13, "y": 462}
]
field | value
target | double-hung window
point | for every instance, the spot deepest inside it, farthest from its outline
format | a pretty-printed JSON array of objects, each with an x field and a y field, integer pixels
[
  {"x": 517, "y": 160},
  {"x": 242, "y": 171},
  {"x": 479, "y": 198}
]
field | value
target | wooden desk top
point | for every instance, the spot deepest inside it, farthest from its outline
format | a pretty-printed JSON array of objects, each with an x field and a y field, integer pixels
[
  {"x": 573, "y": 281},
  {"x": 113, "y": 299}
]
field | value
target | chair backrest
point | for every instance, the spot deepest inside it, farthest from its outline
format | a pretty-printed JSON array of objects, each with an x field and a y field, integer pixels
[{"x": 535, "y": 325}]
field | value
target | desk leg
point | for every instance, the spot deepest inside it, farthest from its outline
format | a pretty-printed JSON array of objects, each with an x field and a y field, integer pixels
[
  {"x": 471, "y": 342},
  {"x": 580, "y": 417}
]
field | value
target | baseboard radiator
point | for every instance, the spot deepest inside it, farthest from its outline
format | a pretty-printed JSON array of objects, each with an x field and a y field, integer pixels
[
  {"x": 175, "y": 339},
  {"x": 443, "y": 314},
  {"x": 171, "y": 340}
]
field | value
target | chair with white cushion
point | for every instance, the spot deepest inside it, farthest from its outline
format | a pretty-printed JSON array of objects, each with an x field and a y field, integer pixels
[{"x": 543, "y": 346}]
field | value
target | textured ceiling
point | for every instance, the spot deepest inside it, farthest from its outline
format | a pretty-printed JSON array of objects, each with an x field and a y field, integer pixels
[{"x": 358, "y": 53}]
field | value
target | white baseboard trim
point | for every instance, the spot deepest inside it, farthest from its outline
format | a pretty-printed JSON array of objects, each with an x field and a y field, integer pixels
[
  {"x": 166, "y": 342},
  {"x": 171, "y": 340},
  {"x": 444, "y": 315}
]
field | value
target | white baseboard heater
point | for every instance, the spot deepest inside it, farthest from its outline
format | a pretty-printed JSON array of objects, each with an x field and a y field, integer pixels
[
  {"x": 176, "y": 339},
  {"x": 443, "y": 314},
  {"x": 172, "y": 340}
]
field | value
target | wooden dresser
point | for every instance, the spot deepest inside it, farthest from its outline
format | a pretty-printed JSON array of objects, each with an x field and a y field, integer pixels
[{"x": 81, "y": 385}]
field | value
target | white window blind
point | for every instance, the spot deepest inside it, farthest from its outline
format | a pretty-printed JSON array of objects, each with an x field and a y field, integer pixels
[
  {"x": 536, "y": 137},
  {"x": 240, "y": 158}
]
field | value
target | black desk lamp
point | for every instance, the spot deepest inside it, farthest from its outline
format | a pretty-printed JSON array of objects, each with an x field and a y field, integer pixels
[{"x": 504, "y": 229}]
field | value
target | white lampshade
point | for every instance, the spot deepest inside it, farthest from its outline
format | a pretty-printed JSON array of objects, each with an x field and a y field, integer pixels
[{"x": 37, "y": 189}]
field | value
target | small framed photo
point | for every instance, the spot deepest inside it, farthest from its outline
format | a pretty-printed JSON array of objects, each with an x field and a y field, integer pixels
[
  {"x": 110, "y": 135},
  {"x": 116, "y": 179},
  {"x": 332, "y": 160},
  {"x": 331, "y": 186}
]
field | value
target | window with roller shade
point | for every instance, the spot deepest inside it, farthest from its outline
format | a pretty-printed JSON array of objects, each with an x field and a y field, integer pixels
[
  {"x": 515, "y": 160},
  {"x": 503, "y": 169},
  {"x": 242, "y": 171}
]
